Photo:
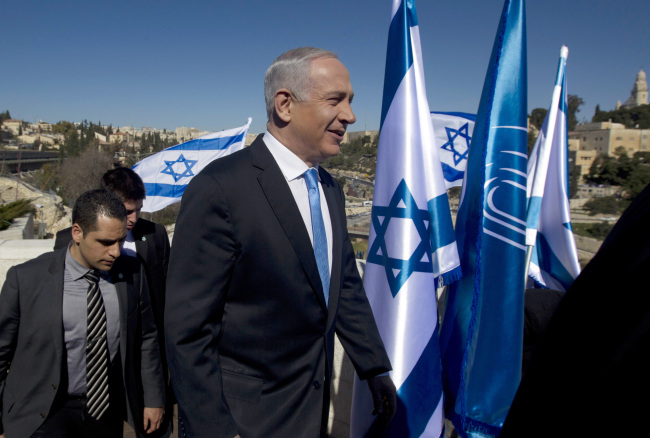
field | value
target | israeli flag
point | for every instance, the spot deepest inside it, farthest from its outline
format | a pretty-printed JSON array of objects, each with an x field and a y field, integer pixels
[
  {"x": 453, "y": 133},
  {"x": 412, "y": 246},
  {"x": 481, "y": 335},
  {"x": 554, "y": 263},
  {"x": 167, "y": 173}
]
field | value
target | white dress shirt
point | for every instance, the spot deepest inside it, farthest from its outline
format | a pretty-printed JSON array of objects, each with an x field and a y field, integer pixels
[
  {"x": 129, "y": 245},
  {"x": 293, "y": 169}
]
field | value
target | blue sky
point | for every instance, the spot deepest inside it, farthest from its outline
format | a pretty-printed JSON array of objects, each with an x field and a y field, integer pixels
[{"x": 166, "y": 63}]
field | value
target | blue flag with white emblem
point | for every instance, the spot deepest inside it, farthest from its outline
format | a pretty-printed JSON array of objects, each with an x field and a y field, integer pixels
[
  {"x": 453, "y": 133},
  {"x": 412, "y": 247},
  {"x": 167, "y": 173},
  {"x": 554, "y": 263},
  {"x": 481, "y": 335}
]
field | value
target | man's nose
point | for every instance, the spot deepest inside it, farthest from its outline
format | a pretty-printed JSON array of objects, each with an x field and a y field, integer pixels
[
  {"x": 347, "y": 115},
  {"x": 115, "y": 250}
]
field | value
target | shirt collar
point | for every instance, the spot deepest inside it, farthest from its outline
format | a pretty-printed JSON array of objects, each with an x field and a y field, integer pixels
[
  {"x": 290, "y": 164},
  {"x": 76, "y": 269}
]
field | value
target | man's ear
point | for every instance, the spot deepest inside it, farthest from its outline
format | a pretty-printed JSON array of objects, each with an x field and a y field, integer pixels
[
  {"x": 282, "y": 101},
  {"x": 77, "y": 233}
]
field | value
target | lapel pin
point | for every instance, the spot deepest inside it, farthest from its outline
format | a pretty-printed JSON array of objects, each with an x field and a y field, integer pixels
[
  {"x": 144, "y": 238},
  {"x": 120, "y": 276}
]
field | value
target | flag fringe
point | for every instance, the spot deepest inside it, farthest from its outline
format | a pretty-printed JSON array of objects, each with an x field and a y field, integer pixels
[{"x": 449, "y": 277}]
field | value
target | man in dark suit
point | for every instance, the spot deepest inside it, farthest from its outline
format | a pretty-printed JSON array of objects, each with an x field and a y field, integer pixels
[
  {"x": 69, "y": 368},
  {"x": 262, "y": 272},
  {"x": 589, "y": 374},
  {"x": 148, "y": 242}
]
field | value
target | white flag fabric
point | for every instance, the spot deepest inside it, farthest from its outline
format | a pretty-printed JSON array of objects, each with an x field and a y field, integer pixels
[
  {"x": 412, "y": 245},
  {"x": 167, "y": 173},
  {"x": 453, "y": 133},
  {"x": 554, "y": 263}
]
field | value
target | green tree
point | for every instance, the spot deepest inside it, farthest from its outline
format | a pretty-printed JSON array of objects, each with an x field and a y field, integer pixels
[
  {"x": 639, "y": 178},
  {"x": 637, "y": 117},
  {"x": 12, "y": 210},
  {"x": 537, "y": 117},
  {"x": 574, "y": 103},
  {"x": 604, "y": 170},
  {"x": 604, "y": 205},
  {"x": 4, "y": 116},
  {"x": 73, "y": 144},
  {"x": 574, "y": 179}
]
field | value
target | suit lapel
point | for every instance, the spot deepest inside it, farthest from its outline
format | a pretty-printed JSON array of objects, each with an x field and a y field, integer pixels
[
  {"x": 284, "y": 206},
  {"x": 55, "y": 305},
  {"x": 141, "y": 246},
  {"x": 333, "y": 206},
  {"x": 117, "y": 276}
]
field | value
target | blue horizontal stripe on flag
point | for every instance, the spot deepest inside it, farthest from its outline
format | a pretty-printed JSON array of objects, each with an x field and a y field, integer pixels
[
  {"x": 165, "y": 190},
  {"x": 450, "y": 173},
  {"x": 208, "y": 144},
  {"x": 467, "y": 116}
]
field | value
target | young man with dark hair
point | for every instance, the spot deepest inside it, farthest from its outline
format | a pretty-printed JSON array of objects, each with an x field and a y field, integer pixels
[
  {"x": 78, "y": 345},
  {"x": 148, "y": 242}
]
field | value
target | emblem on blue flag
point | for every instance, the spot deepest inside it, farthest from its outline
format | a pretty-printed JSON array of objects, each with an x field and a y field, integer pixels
[{"x": 481, "y": 336}]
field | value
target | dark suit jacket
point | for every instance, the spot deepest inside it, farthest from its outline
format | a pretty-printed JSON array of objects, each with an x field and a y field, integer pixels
[
  {"x": 32, "y": 348},
  {"x": 250, "y": 340},
  {"x": 589, "y": 375},
  {"x": 152, "y": 248}
]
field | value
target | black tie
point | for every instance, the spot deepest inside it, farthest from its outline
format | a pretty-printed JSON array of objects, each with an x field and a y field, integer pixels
[{"x": 97, "y": 359}]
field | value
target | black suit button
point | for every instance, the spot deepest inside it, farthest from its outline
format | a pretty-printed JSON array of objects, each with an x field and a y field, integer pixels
[
  {"x": 53, "y": 386},
  {"x": 316, "y": 384},
  {"x": 42, "y": 415}
]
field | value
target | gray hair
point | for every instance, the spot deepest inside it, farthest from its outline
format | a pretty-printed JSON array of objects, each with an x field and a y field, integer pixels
[{"x": 291, "y": 70}]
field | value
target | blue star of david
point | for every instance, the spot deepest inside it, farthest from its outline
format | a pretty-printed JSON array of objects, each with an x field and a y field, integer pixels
[
  {"x": 453, "y": 134},
  {"x": 188, "y": 168},
  {"x": 399, "y": 270}
]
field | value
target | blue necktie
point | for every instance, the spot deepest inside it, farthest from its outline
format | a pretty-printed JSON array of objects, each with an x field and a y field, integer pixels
[{"x": 318, "y": 228}]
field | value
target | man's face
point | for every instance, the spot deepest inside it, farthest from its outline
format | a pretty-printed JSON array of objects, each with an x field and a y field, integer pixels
[
  {"x": 318, "y": 124},
  {"x": 132, "y": 212},
  {"x": 100, "y": 248}
]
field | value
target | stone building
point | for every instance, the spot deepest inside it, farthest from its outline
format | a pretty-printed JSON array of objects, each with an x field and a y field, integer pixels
[{"x": 606, "y": 137}]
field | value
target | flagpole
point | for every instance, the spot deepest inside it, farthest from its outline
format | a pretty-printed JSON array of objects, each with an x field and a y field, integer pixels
[{"x": 537, "y": 183}]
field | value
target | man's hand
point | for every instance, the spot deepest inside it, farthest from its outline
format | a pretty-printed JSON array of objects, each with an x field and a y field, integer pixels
[
  {"x": 384, "y": 397},
  {"x": 153, "y": 417}
]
